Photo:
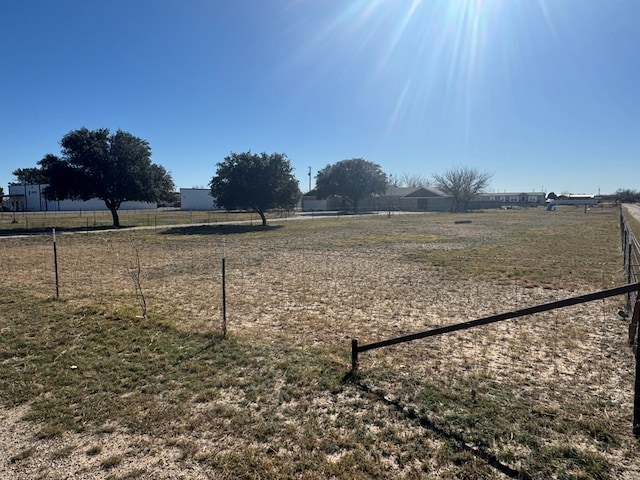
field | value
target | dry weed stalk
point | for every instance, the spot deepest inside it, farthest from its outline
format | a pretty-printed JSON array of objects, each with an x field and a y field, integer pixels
[{"x": 135, "y": 272}]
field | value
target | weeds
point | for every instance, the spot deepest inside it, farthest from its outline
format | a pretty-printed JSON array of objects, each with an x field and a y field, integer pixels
[
  {"x": 23, "y": 455},
  {"x": 111, "y": 462},
  {"x": 135, "y": 272}
]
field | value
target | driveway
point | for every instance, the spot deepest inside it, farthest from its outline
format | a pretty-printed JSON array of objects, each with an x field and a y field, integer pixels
[{"x": 633, "y": 210}]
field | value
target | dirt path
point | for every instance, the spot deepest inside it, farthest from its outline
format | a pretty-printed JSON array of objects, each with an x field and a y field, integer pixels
[{"x": 633, "y": 210}]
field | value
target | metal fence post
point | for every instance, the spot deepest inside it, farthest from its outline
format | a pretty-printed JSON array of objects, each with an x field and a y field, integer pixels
[
  {"x": 354, "y": 354},
  {"x": 636, "y": 396},
  {"x": 224, "y": 290},
  {"x": 55, "y": 263},
  {"x": 633, "y": 325}
]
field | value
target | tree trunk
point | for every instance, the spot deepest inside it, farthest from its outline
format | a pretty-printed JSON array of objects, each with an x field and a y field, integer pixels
[
  {"x": 113, "y": 206},
  {"x": 114, "y": 215},
  {"x": 264, "y": 219}
]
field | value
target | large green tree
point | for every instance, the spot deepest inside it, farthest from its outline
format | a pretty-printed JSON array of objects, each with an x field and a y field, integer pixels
[
  {"x": 29, "y": 176},
  {"x": 462, "y": 183},
  {"x": 351, "y": 180},
  {"x": 248, "y": 181},
  {"x": 112, "y": 167}
]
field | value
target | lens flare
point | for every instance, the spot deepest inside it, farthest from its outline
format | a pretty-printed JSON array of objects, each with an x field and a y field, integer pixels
[{"x": 429, "y": 57}]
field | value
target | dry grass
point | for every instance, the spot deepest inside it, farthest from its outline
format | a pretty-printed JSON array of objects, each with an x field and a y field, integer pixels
[
  {"x": 108, "y": 393},
  {"x": 29, "y": 222}
]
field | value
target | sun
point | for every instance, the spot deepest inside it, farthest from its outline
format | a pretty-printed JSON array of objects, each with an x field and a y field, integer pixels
[{"x": 419, "y": 58}]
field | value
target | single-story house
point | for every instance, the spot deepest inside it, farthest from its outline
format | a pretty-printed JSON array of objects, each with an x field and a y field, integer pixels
[
  {"x": 413, "y": 199},
  {"x": 508, "y": 200},
  {"x": 422, "y": 199}
]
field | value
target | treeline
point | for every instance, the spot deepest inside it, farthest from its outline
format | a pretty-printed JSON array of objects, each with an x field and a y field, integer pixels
[{"x": 623, "y": 195}]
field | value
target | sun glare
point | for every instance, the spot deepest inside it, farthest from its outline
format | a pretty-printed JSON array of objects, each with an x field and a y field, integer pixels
[{"x": 425, "y": 55}]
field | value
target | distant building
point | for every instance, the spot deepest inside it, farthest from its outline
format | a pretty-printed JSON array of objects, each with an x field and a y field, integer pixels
[
  {"x": 508, "y": 200},
  {"x": 29, "y": 198},
  {"x": 197, "y": 199},
  {"x": 414, "y": 199},
  {"x": 580, "y": 199},
  {"x": 309, "y": 203}
]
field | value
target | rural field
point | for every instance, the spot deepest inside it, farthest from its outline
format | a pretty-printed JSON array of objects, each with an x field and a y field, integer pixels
[{"x": 125, "y": 372}]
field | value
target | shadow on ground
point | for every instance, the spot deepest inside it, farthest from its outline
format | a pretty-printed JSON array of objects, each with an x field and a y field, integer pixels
[
  {"x": 219, "y": 229},
  {"x": 44, "y": 231},
  {"x": 456, "y": 439}
]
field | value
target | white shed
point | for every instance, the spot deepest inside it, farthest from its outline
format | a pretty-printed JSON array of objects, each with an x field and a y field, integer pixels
[
  {"x": 29, "y": 198},
  {"x": 197, "y": 199}
]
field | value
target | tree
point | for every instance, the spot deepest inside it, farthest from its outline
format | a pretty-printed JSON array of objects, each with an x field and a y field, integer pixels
[
  {"x": 114, "y": 168},
  {"x": 29, "y": 176},
  {"x": 413, "y": 180},
  {"x": 462, "y": 183},
  {"x": 626, "y": 195},
  {"x": 1, "y": 192},
  {"x": 352, "y": 180},
  {"x": 247, "y": 181}
]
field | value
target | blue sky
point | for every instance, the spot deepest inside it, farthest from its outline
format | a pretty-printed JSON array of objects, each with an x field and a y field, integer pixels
[{"x": 542, "y": 94}]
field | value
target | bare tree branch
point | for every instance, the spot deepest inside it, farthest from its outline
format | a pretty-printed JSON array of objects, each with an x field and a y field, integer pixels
[{"x": 462, "y": 183}]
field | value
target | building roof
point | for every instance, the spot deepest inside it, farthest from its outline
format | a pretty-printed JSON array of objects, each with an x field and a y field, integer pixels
[
  {"x": 512, "y": 194},
  {"x": 414, "y": 192}
]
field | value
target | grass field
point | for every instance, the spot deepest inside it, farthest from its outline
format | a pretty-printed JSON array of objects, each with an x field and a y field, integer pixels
[{"x": 92, "y": 388}]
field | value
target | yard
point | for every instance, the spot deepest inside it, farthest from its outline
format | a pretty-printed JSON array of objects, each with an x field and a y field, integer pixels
[{"x": 91, "y": 387}]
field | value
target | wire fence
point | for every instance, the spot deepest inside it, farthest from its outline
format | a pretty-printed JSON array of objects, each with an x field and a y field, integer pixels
[
  {"x": 317, "y": 293},
  {"x": 269, "y": 280},
  {"x": 558, "y": 383},
  {"x": 631, "y": 252},
  {"x": 25, "y": 222}
]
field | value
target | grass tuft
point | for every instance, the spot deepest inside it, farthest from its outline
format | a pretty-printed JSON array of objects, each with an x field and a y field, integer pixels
[{"x": 111, "y": 462}]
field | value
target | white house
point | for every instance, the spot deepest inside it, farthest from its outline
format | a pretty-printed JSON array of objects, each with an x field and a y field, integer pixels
[
  {"x": 509, "y": 199},
  {"x": 29, "y": 198},
  {"x": 197, "y": 199}
]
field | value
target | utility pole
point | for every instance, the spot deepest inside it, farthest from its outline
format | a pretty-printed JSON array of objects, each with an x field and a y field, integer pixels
[{"x": 309, "y": 179}]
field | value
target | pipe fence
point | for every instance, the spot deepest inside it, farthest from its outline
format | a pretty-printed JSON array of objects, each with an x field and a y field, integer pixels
[{"x": 631, "y": 253}]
